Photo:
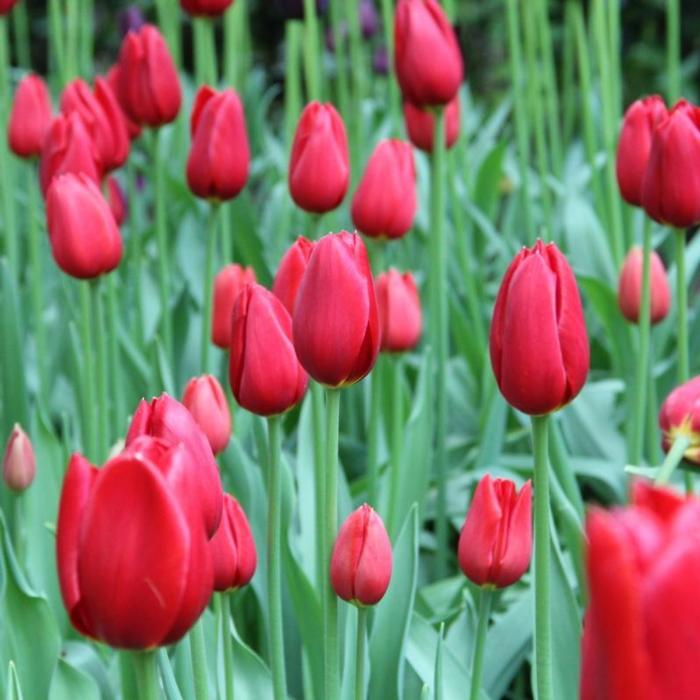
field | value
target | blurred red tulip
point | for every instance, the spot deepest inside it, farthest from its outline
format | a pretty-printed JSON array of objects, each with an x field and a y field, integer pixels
[
  {"x": 6, "y": 6},
  {"x": 400, "y": 313},
  {"x": 113, "y": 78},
  {"x": 629, "y": 293},
  {"x": 205, "y": 400},
  {"x": 680, "y": 417},
  {"x": 290, "y": 272},
  {"x": 420, "y": 125},
  {"x": 30, "y": 117},
  {"x": 205, "y": 8},
  {"x": 227, "y": 284},
  {"x": 18, "y": 462},
  {"x": 116, "y": 199}
]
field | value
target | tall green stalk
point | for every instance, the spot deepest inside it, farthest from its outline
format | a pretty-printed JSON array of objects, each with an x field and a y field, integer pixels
[
  {"x": 373, "y": 430},
  {"x": 169, "y": 21},
  {"x": 205, "y": 53},
  {"x": 198, "y": 653},
  {"x": 673, "y": 459},
  {"x": 317, "y": 409},
  {"x": 485, "y": 599},
  {"x": 144, "y": 663},
  {"x": 292, "y": 79},
  {"x": 394, "y": 97},
  {"x": 87, "y": 32},
  {"x": 100, "y": 333},
  {"x": 342, "y": 88},
  {"x": 21, "y": 27},
  {"x": 56, "y": 42},
  {"x": 214, "y": 218},
  {"x": 360, "y": 653},
  {"x": 357, "y": 60},
  {"x": 226, "y": 641},
  {"x": 682, "y": 305},
  {"x": 395, "y": 444},
  {"x": 311, "y": 51},
  {"x": 115, "y": 371},
  {"x": 72, "y": 45},
  {"x": 88, "y": 384},
  {"x": 673, "y": 49}
]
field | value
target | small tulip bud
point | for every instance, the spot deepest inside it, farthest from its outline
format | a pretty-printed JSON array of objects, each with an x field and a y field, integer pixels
[
  {"x": 18, "y": 464},
  {"x": 205, "y": 8},
  {"x": 629, "y": 294},
  {"x": 30, "y": 117},
  {"x": 227, "y": 285},
  {"x": 399, "y": 311},
  {"x": 420, "y": 125},
  {"x": 291, "y": 271},
  {"x": 205, "y": 400}
]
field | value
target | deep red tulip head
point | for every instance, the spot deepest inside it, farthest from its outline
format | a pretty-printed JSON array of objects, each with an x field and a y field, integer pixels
[
  {"x": 629, "y": 293},
  {"x": 30, "y": 117},
  {"x": 336, "y": 323},
  {"x": 420, "y": 125},
  {"x": 361, "y": 560},
  {"x": 6, "y": 6},
  {"x": 113, "y": 78},
  {"x": 429, "y": 66},
  {"x": 634, "y": 145},
  {"x": 84, "y": 237},
  {"x": 217, "y": 166},
  {"x": 384, "y": 204},
  {"x": 400, "y": 313},
  {"x": 149, "y": 87},
  {"x": 496, "y": 540},
  {"x": 290, "y": 272},
  {"x": 116, "y": 199},
  {"x": 227, "y": 284},
  {"x": 205, "y": 8},
  {"x": 18, "y": 463},
  {"x": 266, "y": 377},
  {"x": 538, "y": 344},
  {"x": 671, "y": 187},
  {"x": 680, "y": 417},
  {"x": 319, "y": 166},
  {"x": 233, "y": 548},
  {"x": 205, "y": 400}
]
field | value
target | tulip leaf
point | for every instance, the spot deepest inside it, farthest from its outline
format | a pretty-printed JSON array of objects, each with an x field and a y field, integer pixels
[
  {"x": 14, "y": 689},
  {"x": 69, "y": 683},
  {"x": 251, "y": 677}
]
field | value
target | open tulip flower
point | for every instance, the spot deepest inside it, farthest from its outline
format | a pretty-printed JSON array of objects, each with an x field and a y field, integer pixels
[{"x": 680, "y": 417}]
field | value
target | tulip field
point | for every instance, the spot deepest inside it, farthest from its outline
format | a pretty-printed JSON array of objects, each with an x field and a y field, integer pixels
[{"x": 349, "y": 350}]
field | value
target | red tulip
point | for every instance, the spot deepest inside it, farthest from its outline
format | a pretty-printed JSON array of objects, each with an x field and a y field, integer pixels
[
  {"x": 642, "y": 627},
  {"x": 227, "y": 284},
  {"x": 84, "y": 237},
  {"x": 680, "y": 417},
  {"x": 233, "y": 548},
  {"x": 266, "y": 377},
  {"x": 634, "y": 145},
  {"x": 205, "y": 8},
  {"x": 671, "y": 188},
  {"x": 538, "y": 344},
  {"x": 149, "y": 87},
  {"x": 6, "y": 6},
  {"x": 30, "y": 117},
  {"x": 496, "y": 540},
  {"x": 18, "y": 462},
  {"x": 204, "y": 399},
  {"x": 319, "y": 169},
  {"x": 384, "y": 204},
  {"x": 361, "y": 559},
  {"x": 420, "y": 125},
  {"x": 429, "y": 66},
  {"x": 113, "y": 79},
  {"x": 399, "y": 311},
  {"x": 336, "y": 324},
  {"x": 217, "y": 166},
  {"x": 116, "y": 199},
  {"x": 290, "y": 272},
  {"x": 629, "y": 294}
]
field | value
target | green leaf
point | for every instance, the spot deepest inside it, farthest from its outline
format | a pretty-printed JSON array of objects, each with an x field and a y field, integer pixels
[
  {"x": 488, "y": 181},
  {"x": 251, "y": 677},
  {"x": 14, "y": 690},
  {"x": 68, "y": 683}
]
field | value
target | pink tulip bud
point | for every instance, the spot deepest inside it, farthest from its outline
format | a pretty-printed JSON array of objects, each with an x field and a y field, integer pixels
[
  {"x": 205, "y": 400},
  {"x": 18, "y": 464}
]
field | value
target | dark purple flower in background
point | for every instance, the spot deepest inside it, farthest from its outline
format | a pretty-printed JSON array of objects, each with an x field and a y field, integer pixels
[
  {"x": 330, "y": 36},
  {"x": 380, "y": 61},
  {"x": 369, "y": 19},
  {"x": 130, "y": 19}
]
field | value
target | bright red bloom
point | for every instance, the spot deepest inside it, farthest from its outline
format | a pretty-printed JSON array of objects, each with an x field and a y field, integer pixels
[
  {"x": 18, "y": 462},
  {"x": 30, "y": 117},
  {"x": 400, "y": 313},
  {"x": 227, "y": 284},
  {"x": 629, "y": 293},
  {"x": 385, "y": 204},
  {"x": 6, "y": 6},
  {"x": 116, "y": 199},
  {"x": 233, "y": 548},
  {"x": 361, "y": 560},
  {"x": 217, "y": 166},
  {"x": 319, "y": 166},
  {"x": 205, "y": 400},
  {"x": 680, "y": 417},
  {"x": 420, "y": 125},
  {"x": 84, "y": 237},
  {"x": 336, "y": 323},
  {"x": 538, "y": 344},
  {"x": 266, "y": 377},
  {"x": 113, "y": 79},
  {"x": 429, "y": 66},
  {"x": 291, "y": 271},
  {"x": 205, "y": 8}
]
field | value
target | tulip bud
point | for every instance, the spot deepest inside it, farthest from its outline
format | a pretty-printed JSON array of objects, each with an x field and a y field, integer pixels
[
  {"x": 291, "y": 271},
  {"x": 149, "y": 87},
  {"x": 671, "y": 187},
  {"x": 634, "y": 146},
  {"x": 538, "y": 344},
  {"x": 227, "y": 284},
  {"x": 400, "y": 314},
  {"x": 204, "y": 399},
  {"x": 384, "y": 204},
  {"x": 420, "y": 125},
  {"x": 361, "y": 559},
  {"x": 680, "y": 417},
  {"x": 113, "y": 79},
  {"x": 496, "y": 539},
  {"x": 18, "y": 463},
  {"x": 319, "y": 168},
  {"x": 233, "y": 548},
  {"x": 205, "y": 8},
  {"x": 116, "y": 199},
  {"x": 336, "y": 324},
  {"x": 629, "y": 294},
  {"x": 266, "y": 377},
  {"x": 217, "y": 166},
  {"x": 6, "y": 6},
  {"x": 30, "y": 117},
  {"x": 429, "y": 66}
]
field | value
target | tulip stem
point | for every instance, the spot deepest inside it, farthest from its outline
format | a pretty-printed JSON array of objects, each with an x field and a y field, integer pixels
[
  {"x": 394, "y": 100},
  {"x": 360, "y": 653},
  {"x": 214, "y": 217},
  {"x": 88, "y": 376},
  {"x": 274, "y": 558},
  {"x": 395, "y": 442},
  {"x": 56, "y": 39},
  {"x": 673, "y": 459},
  {"x": 682, "y": 301},
  {"x": 358, "y": 83},
  {"x": 115, "y": 370},
  {"x": 146, "y": 674},
  {"x": 373, "y": 425},
  {"x": 205, "y": 56},
  {"x": 198, "y": 651},
  {"x": 316, "y": 391},
  {"x": 485, "y": 600},
  {"x": 225, "y": 612},
  {"x": 543, "y": 642},
  {"x": 673, "y": 50},
  {"x": 311, "y": 53},
  {"x": 292, "y": 83},
  {"x": 340, "y": 63},
  {"x": 100, "y": 334}
]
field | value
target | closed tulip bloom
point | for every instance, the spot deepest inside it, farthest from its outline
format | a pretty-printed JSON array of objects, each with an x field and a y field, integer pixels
[
  {"x": 30, "y": 117},
  {"x": 384, "y": 204},
  {"x": 336, "y": 323},
  {"x": 149, "y": 87},
  {"x": 205, "y": 8},
  {"x": 266, "y": 377},
  {"x": 634, "y": 145},
  {"x": 217, "y": 166},
  {"x": 291, "y": 271},
  {"x": 629, "y": 293},
  {"x": 84, "y": 237},
  {"x": 113, "y": 79},
  {"x": 204, "y": 399},
  {"x": 227, "y": 285},
  {"x": 6, "y": 6},
  {"x": 233, "y": 548},
  {"x": 116, "y": 199},
  {"x": 680, "y": 417},
  {"x": 18, "y": 463},
  {"x": 400, "y": 313},
  {"x": 319, "y": 166},
  {"x": 420, "y": 125},
  {"x": 429, "y": 66},
  {"x": 495, "y": 544},
  {"x": 671, "y": 188},
  {"x": 538, "y": 343}
]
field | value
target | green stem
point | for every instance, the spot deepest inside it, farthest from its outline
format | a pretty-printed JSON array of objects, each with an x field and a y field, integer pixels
[
  {"x": 394, "y": 97},
  {"x": 292, "y": 82},
  {"x": 169, "y": 20},
  {"x": 144, "y": 663},
  {"x": 72, "y": 15},
  {"x": 360, "y": 653},
  {"x": 87, "y": 31},
  {"x": 214, "y": 216},
  {"x": 311, "y": 51},
  {"x": 115, "y": 371},
  {"x": 341, "y": 72},
  {"x": 357, "y": 60},
  {"x": 673, "y": 459},
  {"x": 103, "y": 437},
  {"x": 135, "y": 250},
  {"x": 317, "y": 407},
  {"x": 373, "y": 430},
  {"x": 682, "y": 301},
  {"x": 673, "y": 49},
  {"x": 198, "y": 652},
  {"x": 205, "y": 56},
  {"x": 227, "y": 643},
  {"x": 21, "y": 28},
  {"x": 395, "y": 442},
  {"x": 227, "y": 218},
  {"x": 56, "y": 40},
  {"x": 19, "y": 532},
  {"x": 88, "y": 378},
  {"x": 485, "y": 599}
]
